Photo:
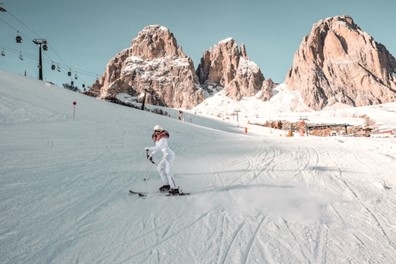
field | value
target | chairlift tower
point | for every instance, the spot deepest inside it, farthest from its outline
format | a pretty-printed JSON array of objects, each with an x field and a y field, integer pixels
[{"x": 42, "y": 43}]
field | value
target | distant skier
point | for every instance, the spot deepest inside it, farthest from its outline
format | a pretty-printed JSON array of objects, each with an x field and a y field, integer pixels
[
  {"x": 160, "y": 137},
  {"x": 181, "y": 118}
]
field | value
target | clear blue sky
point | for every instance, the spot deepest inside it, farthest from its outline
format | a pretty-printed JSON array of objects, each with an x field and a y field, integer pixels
[{"x": 85, "y": 34}]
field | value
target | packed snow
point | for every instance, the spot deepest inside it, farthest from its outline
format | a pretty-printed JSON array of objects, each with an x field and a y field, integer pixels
[{"x": 257, "y": 197}]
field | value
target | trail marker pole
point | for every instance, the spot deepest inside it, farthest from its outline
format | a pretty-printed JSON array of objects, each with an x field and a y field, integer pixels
[{"x": 74, "y": 109}]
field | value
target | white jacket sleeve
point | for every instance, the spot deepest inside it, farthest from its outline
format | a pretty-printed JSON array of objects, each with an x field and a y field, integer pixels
[{"x": 158, "y": 146}]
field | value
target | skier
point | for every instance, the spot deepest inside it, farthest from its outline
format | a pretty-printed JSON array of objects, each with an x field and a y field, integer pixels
[{"x": 160, "y": 137}]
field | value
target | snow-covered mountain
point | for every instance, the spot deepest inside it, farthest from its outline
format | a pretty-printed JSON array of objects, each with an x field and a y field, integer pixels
[{"x": 256, "y": 198}]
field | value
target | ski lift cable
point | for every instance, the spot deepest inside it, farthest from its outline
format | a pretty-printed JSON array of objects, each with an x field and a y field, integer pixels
[
  {"x": 19, "y": 32},
  {"x": 67, "y": 68},
  {"x": 74, "y": 69},
  {"x": 56, "y": 53},
  {"x": 8, "y": 24},
  {"x": 18, "y": 52},
  {"x": 8, "y": 48},
  {"x": 48, "y": 60},
  {"x": 20, "y": 21},
  {"x": 13, "y": 50},
  {"x": 52, "y": 48},
  {"x": 23, "y": 56},
  {"x": 82, "y": 71},
  {"x": 35, "y": 33},
  {"x": 15, "y": 29}
]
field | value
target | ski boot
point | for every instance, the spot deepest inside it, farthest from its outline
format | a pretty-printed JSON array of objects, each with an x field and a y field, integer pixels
[
  {"x": 164, "y": 188},
  {"x": 174, "y": 192}
]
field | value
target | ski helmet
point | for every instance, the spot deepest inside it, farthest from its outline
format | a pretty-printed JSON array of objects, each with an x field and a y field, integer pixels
[{"x": 158, "y": 128}]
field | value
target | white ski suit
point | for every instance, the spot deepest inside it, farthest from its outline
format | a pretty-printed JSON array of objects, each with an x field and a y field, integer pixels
[{"x": 166, "y": 163}]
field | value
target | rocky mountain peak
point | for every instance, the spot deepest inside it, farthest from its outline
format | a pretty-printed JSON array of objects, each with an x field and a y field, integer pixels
[
  {"x": 227, "y": 66},
  {"x": 156, "y": 64},
  {"x": 155, "y": 41},
  {"x": 338, "y": 62}
]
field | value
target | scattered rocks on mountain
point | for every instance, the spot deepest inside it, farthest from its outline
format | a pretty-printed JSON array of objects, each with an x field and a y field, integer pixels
[{"x": 338, "y": 62}]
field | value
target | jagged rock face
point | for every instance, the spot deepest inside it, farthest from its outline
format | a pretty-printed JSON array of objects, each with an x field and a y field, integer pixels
[
  {"x": 338, "y": 62},
  {"x": 154, "y": 63},
  {"x": 266, "y": 91},
  {"x": 155, "y": 42},
  {"x": 227, "y": 66}
]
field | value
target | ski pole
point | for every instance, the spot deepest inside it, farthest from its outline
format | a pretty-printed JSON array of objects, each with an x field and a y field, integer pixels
[
  {"x": 145, "y": 179},
  {"x": 151, "y": 159}
]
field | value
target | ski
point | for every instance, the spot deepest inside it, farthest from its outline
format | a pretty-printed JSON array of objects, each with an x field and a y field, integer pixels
[
  {"x": 178, "y": 194},
  {"x": 140, "y": 194},
  {"x": 181, "y": 194},
  {"x": 144, "y": 194}
]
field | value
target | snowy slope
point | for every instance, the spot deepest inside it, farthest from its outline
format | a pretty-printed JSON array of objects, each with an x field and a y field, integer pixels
[
  {"x": 288, "y": 105},
  {"x": 257, "y": 197}
]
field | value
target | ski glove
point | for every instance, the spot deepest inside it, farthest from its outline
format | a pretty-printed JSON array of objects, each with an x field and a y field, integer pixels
[{"x": 148, "y": 155}]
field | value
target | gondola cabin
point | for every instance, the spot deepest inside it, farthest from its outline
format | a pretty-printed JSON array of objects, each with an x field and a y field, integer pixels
[{"x": 18, "y": 38}]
